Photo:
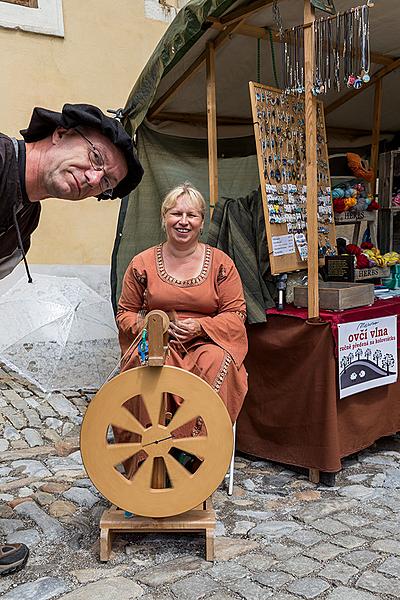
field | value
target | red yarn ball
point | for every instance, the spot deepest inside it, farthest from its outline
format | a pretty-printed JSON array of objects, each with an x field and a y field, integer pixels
[
  {"x": 362, "y": 261},
  {"x": 367, "y": 245},
  {"x": 339, "y": 205},
  {"x": 353, "y": 249}
]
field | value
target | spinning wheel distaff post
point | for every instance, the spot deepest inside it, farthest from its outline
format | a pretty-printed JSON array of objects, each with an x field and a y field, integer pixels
[{"x": 162, "y": 494}]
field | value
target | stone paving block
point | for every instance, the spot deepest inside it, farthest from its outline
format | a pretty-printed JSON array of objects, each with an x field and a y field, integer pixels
[
  {"x": 218, "y": 595},
  {"x": 194, "y": 587},
  {"x": 249, "y": 590},
  {"x": 43, "y": 588},
  {"x": 360, "y": 558},
  {"x": 227, "y": 548},
  {"x": 346, "y": 593},
  {"x": 337, "y": 571},
  {"x": 273, "y": 579},
  {"x": 33, "y": 418},
  {"x": 281, "y": 552},
  {"x": 33, "y": 437},
  {"x": 389, "y": 546},
  {"x": 329, "y": 526},
  {"x": 352, "y": 520},
  {"x": 50, "y": 527},
  {"x": 391, "y": 566},
  {"x": 358, "y": 492},
  {"x": 324, "y": 508},
  {"x": 376, "y": 582},
  {"x": 306, "y": 537},
  {"x": 323, "y": 551},
  {"x": 31, "y": 468},
  {"x": 15, "y": 399},
  {"x": 256, "y": 562},
  {"x": 299, "y": 566},
  {"x": 115, "y": 588},
  {"x": 81, "y": 496},
  {"x": 375, "y": 534},
  {"x": 228, "y": 571},
  {"x": 63, "y": 406},
  {"x": 171, "y": 571},
  {"x": 16, "y": 418},
  {"x": 30, "y": 537},
  {"x": 243, "y": 527},
  {"x": 274, "y": 529},
  {"x": 349, "y": 541},
  {"x": 309, "y": 587},
  {"x": 10, "y": 525}
]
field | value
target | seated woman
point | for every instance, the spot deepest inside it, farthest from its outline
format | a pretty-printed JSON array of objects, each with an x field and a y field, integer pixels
[{"x": 201, "y": 286}]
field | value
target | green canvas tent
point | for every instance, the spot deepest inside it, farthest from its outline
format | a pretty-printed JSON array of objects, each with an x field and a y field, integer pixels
[{"x": 167, "y": 107}]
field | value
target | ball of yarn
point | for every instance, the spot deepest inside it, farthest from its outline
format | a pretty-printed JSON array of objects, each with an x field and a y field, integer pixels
[{"x": 362, "y": 261}]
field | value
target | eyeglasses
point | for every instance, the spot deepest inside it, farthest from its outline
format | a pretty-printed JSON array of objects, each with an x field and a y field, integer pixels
[{"x": 97, "y": 162}]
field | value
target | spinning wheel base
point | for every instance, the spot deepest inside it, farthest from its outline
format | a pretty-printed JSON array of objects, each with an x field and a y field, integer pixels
[{"x": 201, "y": 519}]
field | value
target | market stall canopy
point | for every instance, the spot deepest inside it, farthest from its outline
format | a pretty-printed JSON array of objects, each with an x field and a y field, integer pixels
[
  {"x": 234, "y": 26},
  {"x": 167, "y": 107}
]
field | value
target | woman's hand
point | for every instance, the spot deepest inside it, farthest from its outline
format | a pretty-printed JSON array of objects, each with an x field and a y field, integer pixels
[{"x": 185, "y": 330}]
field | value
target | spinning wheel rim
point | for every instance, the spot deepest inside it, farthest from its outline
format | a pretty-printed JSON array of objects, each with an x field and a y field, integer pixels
[{"x": 188, "y": 489}]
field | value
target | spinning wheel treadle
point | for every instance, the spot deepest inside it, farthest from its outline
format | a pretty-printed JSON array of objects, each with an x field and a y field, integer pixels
[{"x": 187, "y": 490}]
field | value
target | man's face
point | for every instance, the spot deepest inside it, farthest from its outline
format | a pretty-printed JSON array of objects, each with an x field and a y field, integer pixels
[{"x": 69, "y": 172}]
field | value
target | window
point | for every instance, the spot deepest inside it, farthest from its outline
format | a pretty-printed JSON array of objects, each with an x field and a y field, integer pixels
[
  {"x": 38, "y": 16},
  {"x": 27, "y": 3}
]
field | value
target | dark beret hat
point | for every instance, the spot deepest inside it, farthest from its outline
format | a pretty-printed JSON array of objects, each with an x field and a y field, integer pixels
[{"x": 43, "y": 122}]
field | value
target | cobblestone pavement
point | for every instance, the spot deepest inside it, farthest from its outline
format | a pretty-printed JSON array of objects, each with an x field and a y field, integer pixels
[{"x": 279, "y": 536}]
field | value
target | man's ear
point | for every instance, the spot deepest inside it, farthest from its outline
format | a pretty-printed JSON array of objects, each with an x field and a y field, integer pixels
[{"x": 58, "y": 134}]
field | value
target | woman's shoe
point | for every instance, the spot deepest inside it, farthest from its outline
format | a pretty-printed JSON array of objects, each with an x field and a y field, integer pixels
[{"x": 13, "y": 557}]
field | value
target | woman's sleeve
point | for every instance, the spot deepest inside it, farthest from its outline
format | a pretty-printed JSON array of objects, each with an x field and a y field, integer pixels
[
  {"x": 132, "y": 297},
  {"x": 227, "y": 327}
]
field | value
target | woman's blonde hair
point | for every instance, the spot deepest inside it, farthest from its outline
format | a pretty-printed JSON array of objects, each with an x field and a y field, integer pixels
[{"x": 195, "y": 199}]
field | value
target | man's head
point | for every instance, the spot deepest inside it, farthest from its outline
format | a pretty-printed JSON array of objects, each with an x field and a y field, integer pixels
[{"x": 79, "y": 153}]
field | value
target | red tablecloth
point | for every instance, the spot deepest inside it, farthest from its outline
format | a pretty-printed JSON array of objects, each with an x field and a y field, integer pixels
[
  {"x": 292, "y": 413},
  {"x": 380, "y": 308}
]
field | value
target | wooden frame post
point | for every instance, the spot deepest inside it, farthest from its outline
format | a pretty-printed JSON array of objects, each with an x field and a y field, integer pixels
[
  {"x": 311, "y": 162},
  {"x": 212, "y": 126},
  {"x": 376, "y": 132}
]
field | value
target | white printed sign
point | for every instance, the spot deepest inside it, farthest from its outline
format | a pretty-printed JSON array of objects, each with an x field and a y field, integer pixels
[
  {"x": 282, "y": 244},
  {"x": 367, "y": 354}
]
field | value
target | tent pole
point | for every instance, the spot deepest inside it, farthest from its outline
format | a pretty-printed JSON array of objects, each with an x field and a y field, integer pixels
[
  {"x": 376, "y": 132},
  {"x": 212, "y": 126},
  {"x": 311, "y": 162}
]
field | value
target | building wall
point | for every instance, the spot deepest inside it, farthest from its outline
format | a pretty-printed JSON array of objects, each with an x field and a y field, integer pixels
[{"x": 106, "y": 44}]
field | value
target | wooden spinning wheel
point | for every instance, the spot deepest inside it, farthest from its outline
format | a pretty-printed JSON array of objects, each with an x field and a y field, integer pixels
[{"x": 187, "y": 490}]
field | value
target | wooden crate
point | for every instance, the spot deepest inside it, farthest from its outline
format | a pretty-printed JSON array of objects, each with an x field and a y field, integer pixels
[
  {"x": 335, "y": 295},
  {"x": 371, "y": 273}
]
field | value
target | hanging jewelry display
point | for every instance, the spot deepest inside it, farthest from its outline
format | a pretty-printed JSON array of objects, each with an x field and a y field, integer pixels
[
  {"x": 341, "y": 48},
  {"x": 279, "y": 124}
]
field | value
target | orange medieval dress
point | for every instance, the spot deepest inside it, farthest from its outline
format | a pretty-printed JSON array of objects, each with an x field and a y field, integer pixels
[{"x": 215, "y": 297}]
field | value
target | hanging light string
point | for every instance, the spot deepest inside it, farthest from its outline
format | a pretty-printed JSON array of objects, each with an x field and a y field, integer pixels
[{"x": 341, "y": 49}]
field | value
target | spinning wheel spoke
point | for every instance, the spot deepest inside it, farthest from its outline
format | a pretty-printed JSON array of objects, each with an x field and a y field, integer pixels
[
  {"x": 152, "y": 401},
  {"x": 192, "y": 445},
  {"x": 125, "y": 420},
  {"x": 184, "y": 414},
  {"x": 177, "y": 473},
  {"x": 117, "y": 453},
  {"x": 143, "y": 475}
]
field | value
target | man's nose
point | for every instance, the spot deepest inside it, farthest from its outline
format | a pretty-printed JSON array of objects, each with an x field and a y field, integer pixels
[{"x": 93, "y": 177}]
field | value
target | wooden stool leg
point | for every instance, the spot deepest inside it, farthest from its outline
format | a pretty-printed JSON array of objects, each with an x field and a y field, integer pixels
[
  {"x": 105, "y": 544},
  {"x": 313, "y": 475},
  {"x": 209, "y": 544}
]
